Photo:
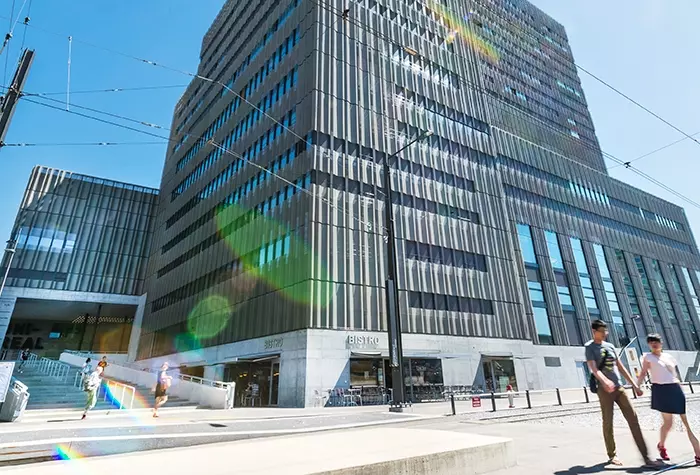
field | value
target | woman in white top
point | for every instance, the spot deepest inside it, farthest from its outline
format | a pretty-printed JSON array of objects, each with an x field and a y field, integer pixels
[{"x": 666, "y": 393}]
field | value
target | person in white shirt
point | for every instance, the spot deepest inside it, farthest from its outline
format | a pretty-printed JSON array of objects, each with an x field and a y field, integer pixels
[
  {"x": 91, "y": 385},
  {"x": 666, "y": 392}
]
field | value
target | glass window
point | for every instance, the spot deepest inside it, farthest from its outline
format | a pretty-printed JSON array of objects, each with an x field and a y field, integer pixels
[
  {"x": 602, "y": 263},
  {"x": 526, "y": 244},
  {"x": 554, "y": 250},
  {"x": 544, "y": 331}
]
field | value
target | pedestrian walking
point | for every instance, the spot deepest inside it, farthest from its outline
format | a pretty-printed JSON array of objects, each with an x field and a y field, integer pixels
[
  {"x": 103, "y": 363},
  {"x": 24, "y": 357},
  {"x": 511, "y": 396},
  {"x": 666, "y": 393},
  {"x": 87, "y": 366},
  {"x": 162, "y": 386},
  {"x": 91, "y": 385},
  {"x": 605, "y": 381}
]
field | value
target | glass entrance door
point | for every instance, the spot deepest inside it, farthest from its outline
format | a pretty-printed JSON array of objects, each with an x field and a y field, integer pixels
[{"x": 498, "y": 374}]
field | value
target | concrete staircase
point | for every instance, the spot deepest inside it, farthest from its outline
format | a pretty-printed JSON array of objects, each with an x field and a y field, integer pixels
[{"x": 51, "y": 393}]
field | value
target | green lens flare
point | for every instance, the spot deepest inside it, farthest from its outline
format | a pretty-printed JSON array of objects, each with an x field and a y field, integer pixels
[
  {"x": 269, "y": 251},
  {"x": 209, "y": 317}
]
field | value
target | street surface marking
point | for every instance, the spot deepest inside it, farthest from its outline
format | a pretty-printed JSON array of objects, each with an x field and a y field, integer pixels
[
  {"x": 112, "y": 438},
  {"x": 150, "y": 423}
]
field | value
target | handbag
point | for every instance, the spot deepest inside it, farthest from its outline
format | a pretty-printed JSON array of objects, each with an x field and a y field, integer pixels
[{"x": 592, "y": 381}]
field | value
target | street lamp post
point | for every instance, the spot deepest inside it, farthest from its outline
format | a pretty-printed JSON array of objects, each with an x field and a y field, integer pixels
[{"x": 392, "y": 291}]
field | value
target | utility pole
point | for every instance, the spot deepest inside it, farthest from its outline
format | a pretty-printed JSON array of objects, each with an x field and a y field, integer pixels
[
  {"x": 9, "y": 101},
  {"x": 393, "y": 313}
]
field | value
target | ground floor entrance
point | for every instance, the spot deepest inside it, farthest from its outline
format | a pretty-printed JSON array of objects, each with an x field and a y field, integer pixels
[
  {"x": 372, "y": 376},
  {"x": 257, "y": 381},
  {"x": 499, "y": 373}
]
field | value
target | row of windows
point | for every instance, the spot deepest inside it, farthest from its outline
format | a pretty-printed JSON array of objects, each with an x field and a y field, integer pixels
[
  {"x": 203, "y": 219},
  {"x": 253, "y": 117},
  {"x": 433, "y": 37},
  {"x": 246, "y": 62},
  {"x": 258, "y": 147},
  {"x": 282, "y": 161},
  {"x": 415, "y": 100},
  {"x": 343, "y": 147},
  {"x": 443, "y": 255},
  {"x": 450, "y": 303},
  {"x": 212, "y": 157},
  {"x": 432, "y": 174},
  {"x": 353, "y": 186},
  {"x": 274, "y": 250},
  {"x": 274, "y": 60},
  {"x": 217, "y": 276},
  {"x": 558, "y": 206},
  {"x": 271, "y": 64},
  {"x": 425, "y": 69},
  {"x": 285, "y": 194}
]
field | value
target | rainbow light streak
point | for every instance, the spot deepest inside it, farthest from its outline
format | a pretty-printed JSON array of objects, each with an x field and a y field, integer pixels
[
  {"x": 64, "y": 452},
  {"x": 459, "y": 27}
]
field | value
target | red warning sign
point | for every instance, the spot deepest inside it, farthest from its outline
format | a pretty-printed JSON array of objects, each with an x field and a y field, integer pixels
[{"x": 476, "y": 402}]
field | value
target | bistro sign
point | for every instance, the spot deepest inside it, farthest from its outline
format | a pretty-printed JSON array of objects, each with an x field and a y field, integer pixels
[{"x": 362, "y": 341}]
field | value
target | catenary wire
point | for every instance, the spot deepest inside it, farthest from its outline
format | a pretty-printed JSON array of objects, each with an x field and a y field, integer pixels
[
  {"x": 381, "y": 36},
  {"x": 368, "y": 225},
  {"x": 26, "y": 24},
  {"x": 540, "y": 37},
  {"x": 78, "y": 144},
  {"x": 627, "y": 164}
]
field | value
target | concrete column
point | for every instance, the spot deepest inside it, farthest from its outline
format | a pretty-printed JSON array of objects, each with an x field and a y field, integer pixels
[
  {"x": 7, "y": 306},
  {"x": 136, "y": 329}
]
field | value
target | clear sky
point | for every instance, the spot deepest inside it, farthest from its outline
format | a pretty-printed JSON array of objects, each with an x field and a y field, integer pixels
[{"x": 646, "y": 48}]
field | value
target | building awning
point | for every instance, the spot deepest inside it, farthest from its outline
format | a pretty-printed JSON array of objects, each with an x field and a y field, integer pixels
[
  {"x": 252, "y": 359},
  {"x": 503, "y": 354},
  {"x": 366, "y": 354}
]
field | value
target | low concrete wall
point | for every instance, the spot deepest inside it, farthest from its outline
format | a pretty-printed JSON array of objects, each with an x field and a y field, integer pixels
[{"x": 205, "y": 396}]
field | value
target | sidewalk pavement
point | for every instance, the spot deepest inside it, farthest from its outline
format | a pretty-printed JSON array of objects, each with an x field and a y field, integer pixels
[{"x": 375, "y": 451}]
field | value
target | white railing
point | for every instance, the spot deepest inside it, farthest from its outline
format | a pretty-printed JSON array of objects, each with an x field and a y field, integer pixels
[
  {"x": 110, "y": 388},
  {"x": 181, "y": 377},
  {"x": 114, "y": 387},
  {"x": 52, "y": 368}
]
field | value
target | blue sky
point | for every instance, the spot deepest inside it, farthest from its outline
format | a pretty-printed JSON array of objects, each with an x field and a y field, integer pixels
[{"x": 643, "y": 47}]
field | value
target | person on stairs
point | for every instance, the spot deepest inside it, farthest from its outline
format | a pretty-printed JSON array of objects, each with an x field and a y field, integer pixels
[{"x": 91, "y": 386}]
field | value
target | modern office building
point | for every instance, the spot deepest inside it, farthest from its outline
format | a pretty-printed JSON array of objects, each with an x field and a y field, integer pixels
[
  {"x": 76, "y": 280},
  {"x": 269, "y": 260}
]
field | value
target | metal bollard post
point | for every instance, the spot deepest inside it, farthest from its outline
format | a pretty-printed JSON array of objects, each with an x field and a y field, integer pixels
[
  {"x": 559, "y": 397},
  {"x": 452, "y": 402},
  {"x": 493, "y": 401},
  {"x": 527, "y": 396},
  {"x": 690, "y": 385},
  {"x": 585, "y": 392},
  {"x": 634, "y": 393}
]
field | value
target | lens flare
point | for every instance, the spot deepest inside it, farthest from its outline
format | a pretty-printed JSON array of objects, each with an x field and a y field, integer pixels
[
  {"x": 270, "y": 252},
  {"x": 209, "y": 317},
  {"x": 64, "y": 452},
  {"x": 459, "y": 27}
]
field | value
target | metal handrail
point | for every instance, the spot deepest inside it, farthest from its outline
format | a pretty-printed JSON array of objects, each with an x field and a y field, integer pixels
[
  {"x": 109, "y": 384},
  {"x": 124, "y": 387},
  {"x": 181, "y": 377},
  {"x": 52, "y": 368}
]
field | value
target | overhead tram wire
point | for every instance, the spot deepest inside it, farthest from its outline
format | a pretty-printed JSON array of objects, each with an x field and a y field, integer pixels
[
  {"x": 587, "y": 72},
  {"x": 368, "y": 225},
  {"x": 26, "y": 24},
  {"x": 319, "y": 2},
  {"x": 628, "y": 163},
  {"x": 478, "y": 88},
  {"x": 78, "y": 144},
  {"x": 114, "y": 89},
  {"x": 8, "y": 37},
  {"x": 379, "y": 35}
]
